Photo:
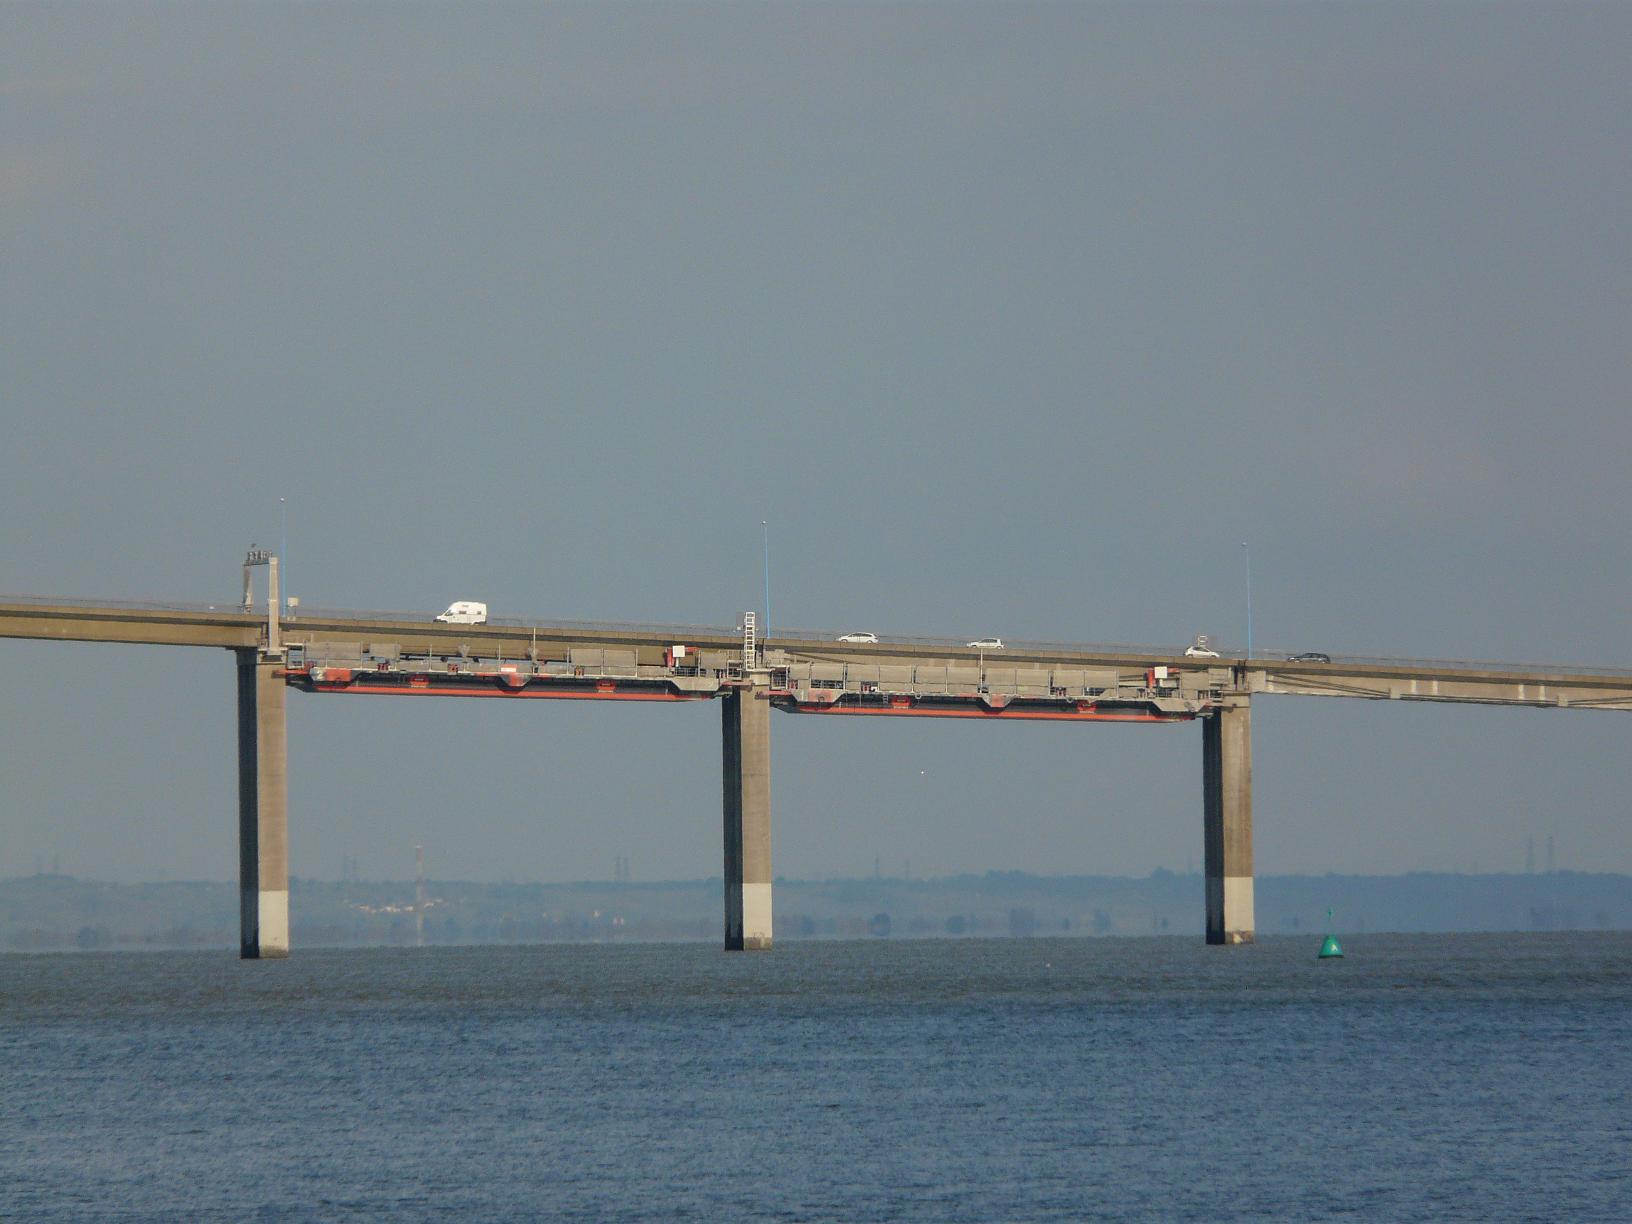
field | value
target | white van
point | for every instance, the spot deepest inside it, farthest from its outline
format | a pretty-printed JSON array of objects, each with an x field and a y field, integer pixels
[{"x": 464, "y": 612}]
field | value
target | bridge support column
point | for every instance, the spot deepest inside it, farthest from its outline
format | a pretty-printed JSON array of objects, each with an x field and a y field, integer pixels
[
  {"x": 746, "y": 719},
  {"x": 1226, "y": 769},
  {"x": 263, "y": 809}
]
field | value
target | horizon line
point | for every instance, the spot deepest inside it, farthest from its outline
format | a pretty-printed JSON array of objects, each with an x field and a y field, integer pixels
[{"x": 1159, "y": 873}]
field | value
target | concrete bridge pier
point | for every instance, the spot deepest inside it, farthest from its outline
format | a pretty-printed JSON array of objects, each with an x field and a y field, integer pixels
[
  {"x": 746, "y": 738},
  {"x": 1226, "y": 770},
  {"x": 263, "y": 808}
]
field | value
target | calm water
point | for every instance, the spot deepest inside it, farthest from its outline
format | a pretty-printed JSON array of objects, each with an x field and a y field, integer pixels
[{"x": 1423, "y": 1077}]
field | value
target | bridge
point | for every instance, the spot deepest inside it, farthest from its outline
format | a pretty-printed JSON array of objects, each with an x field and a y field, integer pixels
[{"x": 336, "y": 652}]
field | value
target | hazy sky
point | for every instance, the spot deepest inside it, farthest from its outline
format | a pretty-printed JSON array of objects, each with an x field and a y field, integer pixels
[{"x": 1009, "y": 318}]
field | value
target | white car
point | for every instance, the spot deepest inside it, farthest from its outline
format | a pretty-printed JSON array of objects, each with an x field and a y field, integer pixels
[
  {"x": 987, "y": 644},
  {"x": 464, "y": 612},
  {"x": 870, "y": 639},
  {"x": 1201, "y": 650}
]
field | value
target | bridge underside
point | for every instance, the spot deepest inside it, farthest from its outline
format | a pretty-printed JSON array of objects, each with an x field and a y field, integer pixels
[
  {"x": 503, "y": 683},
  {"x": 491, "y": 684},
  {"x": 978, "y": 705}
]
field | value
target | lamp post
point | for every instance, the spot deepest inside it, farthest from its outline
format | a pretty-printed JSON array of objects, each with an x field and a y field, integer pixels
[
  {"x": 1247, "y": 552},
  {"x": 765, "y": 526},
  {"x": 283, "y": 539}
]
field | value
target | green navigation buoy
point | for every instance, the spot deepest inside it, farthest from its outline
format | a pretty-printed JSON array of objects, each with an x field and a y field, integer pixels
[{"x": 1330, "y": 949}]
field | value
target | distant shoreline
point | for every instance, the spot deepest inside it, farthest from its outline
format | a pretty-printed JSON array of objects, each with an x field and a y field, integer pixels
[{"x": 57, "y": 912}]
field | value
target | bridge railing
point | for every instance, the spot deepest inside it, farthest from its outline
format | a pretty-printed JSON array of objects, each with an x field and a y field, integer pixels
[
  {"x": 680, "y": 633},
  {"x": 135, "y": 605},
  {"x": 961, "y": 644},
  {"x": 1458, "y": 665},
  {"x": 1227, "y": 654}
]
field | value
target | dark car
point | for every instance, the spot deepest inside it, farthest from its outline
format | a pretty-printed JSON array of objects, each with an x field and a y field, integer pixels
[{"x": 1309, "y": 656}]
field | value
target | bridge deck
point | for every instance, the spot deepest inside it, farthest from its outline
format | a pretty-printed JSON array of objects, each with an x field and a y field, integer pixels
[{"x": 924, "y": 669}]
